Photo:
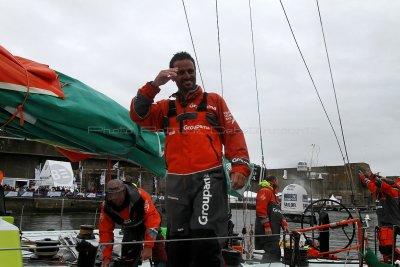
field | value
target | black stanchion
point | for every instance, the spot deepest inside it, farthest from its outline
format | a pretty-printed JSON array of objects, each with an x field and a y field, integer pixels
[{"x": 2, "y": 202}]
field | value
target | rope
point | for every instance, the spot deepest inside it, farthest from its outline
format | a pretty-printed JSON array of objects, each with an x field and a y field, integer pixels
[
  {"x": 321, "y": 228},
  {"x": 20, "y": 109},
  {"x": 219, "y": 48},
  {"x": 194, "y": 48},
  {"x": 256, "y": 83},
  {"x": 336, "y": 100},
  {"x": 247, "y": 232},
  {"x": 66, "y": 218},
  {"x": 315, "y": 87},
  {"x": 143, "y": 241},
  {"x": 134, "y": 242},
  {"x": 244, "y": 218}
]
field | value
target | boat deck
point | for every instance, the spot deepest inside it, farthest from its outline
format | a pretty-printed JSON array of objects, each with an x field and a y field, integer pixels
[{"x": 67, "y": 254}]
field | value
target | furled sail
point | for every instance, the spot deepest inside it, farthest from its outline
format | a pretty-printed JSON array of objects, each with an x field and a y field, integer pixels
[{"x": 41, "y": 104}]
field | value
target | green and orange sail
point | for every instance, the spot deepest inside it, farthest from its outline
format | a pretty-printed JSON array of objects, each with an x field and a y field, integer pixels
[{"x": 41, "y": 104}]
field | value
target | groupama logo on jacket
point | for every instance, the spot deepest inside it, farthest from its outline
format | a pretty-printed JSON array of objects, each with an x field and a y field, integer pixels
[{"x": 203, "y": 219}]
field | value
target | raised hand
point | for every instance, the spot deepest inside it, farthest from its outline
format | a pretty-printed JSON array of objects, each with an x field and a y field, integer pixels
[{"x": 164, "y": 76}]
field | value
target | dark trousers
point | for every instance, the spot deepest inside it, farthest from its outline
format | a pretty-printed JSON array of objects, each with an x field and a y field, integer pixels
[
  {"x": 2, "y": 202},
  {"x": 194, "y": 253},
  {"x": 130, "y": 253},
  {"x": 197, "y": 206},
  {"x": 270, "y": 244}
]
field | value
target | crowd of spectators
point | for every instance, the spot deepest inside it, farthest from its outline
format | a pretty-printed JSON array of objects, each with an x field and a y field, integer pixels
[
  {"x": 46, "y": 191},
  {"x": 7, "y": 187}
]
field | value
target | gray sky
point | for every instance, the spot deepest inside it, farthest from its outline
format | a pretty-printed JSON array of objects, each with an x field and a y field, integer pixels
[{"x": 116, "y": 46}]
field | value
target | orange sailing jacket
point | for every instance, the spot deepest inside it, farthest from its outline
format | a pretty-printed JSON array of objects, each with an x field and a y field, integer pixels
[
  {"x": 151, "y": 220},
  {"x": 265, "y": 196},
  {"x": 387, "y": 210},
  {"x": 197, "y": 127}
]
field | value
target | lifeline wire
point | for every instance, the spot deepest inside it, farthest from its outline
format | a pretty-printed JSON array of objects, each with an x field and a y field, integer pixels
[
  {"x": 154, "y": 241},
  {"x": 256, "y": 81},
  {"x": 336, "y": 100},
  {"x": 312, "y": 80},
  {"x": 334, "y": 224},
  {"x": 219, "y": 48},
  {"x": 134, "y": 242},
  {"x": 194, "y": 49}
]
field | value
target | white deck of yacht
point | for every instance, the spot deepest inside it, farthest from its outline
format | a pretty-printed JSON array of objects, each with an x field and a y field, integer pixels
[{"x": 69, "y": 237}]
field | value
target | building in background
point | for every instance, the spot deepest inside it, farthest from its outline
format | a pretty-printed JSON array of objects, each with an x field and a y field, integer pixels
[
  {"x": 324, "y": 181},
  {"x": 22, "y": 160}
]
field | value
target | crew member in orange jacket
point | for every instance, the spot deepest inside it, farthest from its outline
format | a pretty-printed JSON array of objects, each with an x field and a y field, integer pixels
[
  {"x": 388, "y": 211},
  {"x": 198, "y": 127},
  {"x": 133, "y": 209},
  {"x": 269, "y": 220}
]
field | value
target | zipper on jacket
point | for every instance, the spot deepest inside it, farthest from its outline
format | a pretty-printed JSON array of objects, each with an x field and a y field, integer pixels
[{"x": 212, "y": 145}]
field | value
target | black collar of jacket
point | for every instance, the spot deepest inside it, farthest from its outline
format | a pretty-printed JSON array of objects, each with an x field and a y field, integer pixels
[
  {"x": 189, "y": 96},
  {"x": 132, "y": 199}
]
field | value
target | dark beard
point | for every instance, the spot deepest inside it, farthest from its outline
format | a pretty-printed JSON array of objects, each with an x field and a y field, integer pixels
[{"x": 184, "y": 91}]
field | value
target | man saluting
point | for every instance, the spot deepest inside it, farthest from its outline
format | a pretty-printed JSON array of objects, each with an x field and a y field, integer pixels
[{"x": 198, "y": 127}]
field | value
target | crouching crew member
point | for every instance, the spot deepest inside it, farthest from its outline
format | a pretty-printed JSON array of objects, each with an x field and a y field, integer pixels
[
  {"x": 388, "y": 211},
  {"x": 269, "y": 220},
  {"x": 133, "y": 209}
]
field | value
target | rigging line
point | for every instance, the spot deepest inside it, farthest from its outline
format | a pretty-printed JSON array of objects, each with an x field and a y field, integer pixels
[
  {"x": 219, "y": 48},
  {"x": 334, "y": 91},
  {"x": 19, "y": 110},
  {"x": 312, "y": 80},
  {"x": 191, "y": 39},
  {"x": 27, "y": 247},
  {"x": 256, "y": 81},
  {"x": 301, "y": 230}
]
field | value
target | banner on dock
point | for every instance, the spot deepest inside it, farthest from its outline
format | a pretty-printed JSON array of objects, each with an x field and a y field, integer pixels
[
  {"x": 294, "y": 199},
  {"x": 56, "y": 173}
]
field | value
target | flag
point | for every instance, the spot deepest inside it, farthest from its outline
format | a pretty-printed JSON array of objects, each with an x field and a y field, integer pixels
[
  {"x": 115, "y": 166},
  {"x": 103, "y": 178},
  {"x": 37, "y": 172},
  {"x": 140, "y": 180},
  {"x": 80, "y": 175},
  {"x": 155, "y": 191}
]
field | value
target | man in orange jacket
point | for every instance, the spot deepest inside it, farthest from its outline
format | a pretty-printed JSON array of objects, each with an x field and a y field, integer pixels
[
  {"x": 198, "y": 127},
  {"x": 269, "y": 220},
  {"x": 133, "y": 209},
  {"x": 388, "y": 211}
]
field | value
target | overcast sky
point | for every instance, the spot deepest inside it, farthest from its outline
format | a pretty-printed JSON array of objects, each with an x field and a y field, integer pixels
[{"x": 116, "y": 46}]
